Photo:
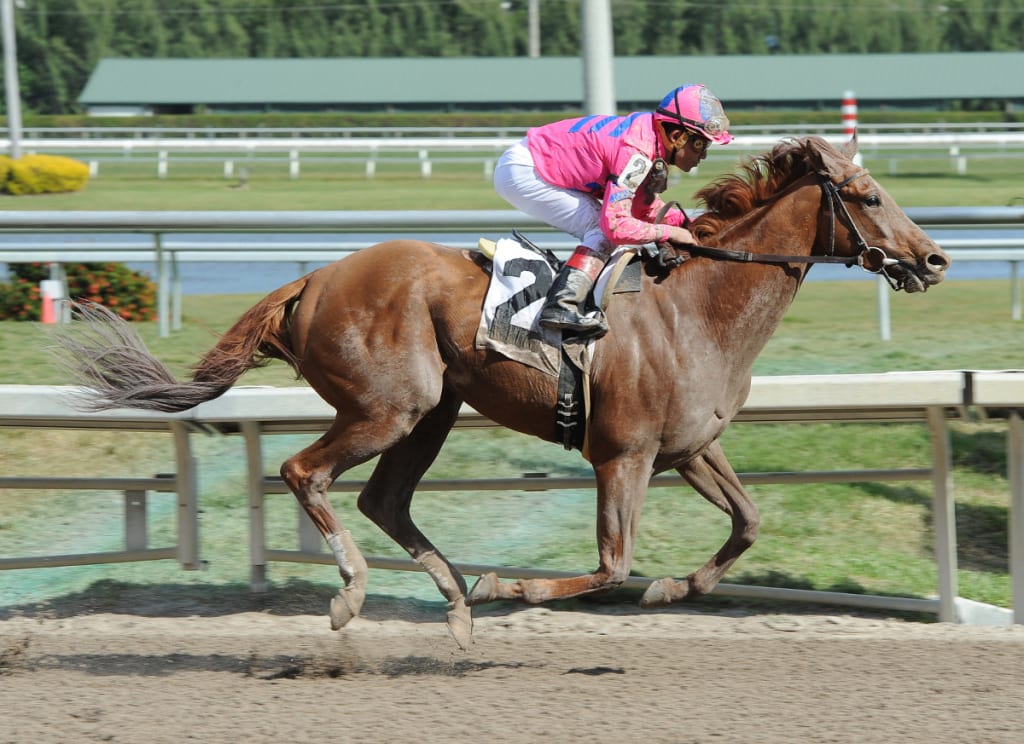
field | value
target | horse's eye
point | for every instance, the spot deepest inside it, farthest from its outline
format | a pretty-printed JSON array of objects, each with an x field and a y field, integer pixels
[{"x": 872, "y": 201}]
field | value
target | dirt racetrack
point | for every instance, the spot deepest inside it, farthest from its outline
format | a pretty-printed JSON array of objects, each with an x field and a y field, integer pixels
[{"x": 143, "y": 671}]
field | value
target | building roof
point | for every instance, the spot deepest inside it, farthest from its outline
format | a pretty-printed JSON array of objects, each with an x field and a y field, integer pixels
[{"x": 471, "y": 82}]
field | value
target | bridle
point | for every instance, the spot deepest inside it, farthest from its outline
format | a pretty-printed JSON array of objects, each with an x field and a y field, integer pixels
[{"x": 870, "y": 258}]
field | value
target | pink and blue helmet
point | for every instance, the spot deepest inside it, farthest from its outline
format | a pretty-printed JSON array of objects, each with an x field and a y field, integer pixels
[{"x": 696, "y": 108}]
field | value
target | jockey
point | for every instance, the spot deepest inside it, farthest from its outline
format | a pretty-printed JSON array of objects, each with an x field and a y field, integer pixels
[{"x": 598, "y": 179}]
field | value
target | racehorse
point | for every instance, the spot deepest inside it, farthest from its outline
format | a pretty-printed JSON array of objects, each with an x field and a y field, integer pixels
[{"x": 386, "y": 336}]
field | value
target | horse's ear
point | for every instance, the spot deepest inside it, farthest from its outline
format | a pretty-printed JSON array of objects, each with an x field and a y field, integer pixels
[
  {"x": 850, "y": 148},
  {"x": 825, "y": 159}
]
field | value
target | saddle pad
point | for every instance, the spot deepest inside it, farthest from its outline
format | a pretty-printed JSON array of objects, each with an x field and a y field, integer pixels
[
  {"x": 509, "y": 322},
  {"x": 519, "y": 285}
]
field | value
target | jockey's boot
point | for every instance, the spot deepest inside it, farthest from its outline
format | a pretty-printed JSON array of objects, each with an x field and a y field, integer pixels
[{"x": 568, "y": 296}]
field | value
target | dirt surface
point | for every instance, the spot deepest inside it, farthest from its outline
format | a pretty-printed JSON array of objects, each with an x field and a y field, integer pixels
[{"x": 132, "y": 672}]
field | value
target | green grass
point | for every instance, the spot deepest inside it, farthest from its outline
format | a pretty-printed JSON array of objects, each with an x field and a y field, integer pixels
[{"x": 856, "y": 537}]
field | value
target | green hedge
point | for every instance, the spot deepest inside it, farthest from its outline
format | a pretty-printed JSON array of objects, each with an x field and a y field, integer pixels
[{"x": 131, "y": 294}]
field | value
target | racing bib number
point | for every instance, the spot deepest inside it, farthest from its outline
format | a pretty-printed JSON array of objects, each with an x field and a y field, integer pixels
[{"x": 635, "y": 172}]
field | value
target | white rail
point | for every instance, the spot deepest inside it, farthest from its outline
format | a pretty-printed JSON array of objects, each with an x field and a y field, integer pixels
[
  {"x": 158, "y": 243},
  {"x": 426, "y": 150},
  {"x": 928, "y": 398}
]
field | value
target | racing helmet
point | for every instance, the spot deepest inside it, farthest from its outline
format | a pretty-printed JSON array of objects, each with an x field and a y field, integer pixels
[{"x": 698, "y": 109}]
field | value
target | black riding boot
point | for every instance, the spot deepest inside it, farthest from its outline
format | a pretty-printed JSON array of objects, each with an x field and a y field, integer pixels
[{"x": 564, "y": 308}]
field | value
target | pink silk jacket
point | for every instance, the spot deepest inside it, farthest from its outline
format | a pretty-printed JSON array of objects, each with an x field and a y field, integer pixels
[{"x": 606, "y": 157}]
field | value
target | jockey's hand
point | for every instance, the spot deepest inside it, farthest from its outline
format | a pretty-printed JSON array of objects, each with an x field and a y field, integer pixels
[
  {"x": 677, "y": 238},
  {"x": 668, "y": 257},
  {"x": 680, "y": 235}
]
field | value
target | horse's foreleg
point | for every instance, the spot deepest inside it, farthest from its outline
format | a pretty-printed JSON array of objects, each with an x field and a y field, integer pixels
[
  {"x": 621, "y": 488},
  {"x": 713, "y": 478},
  {"x": 388, "y": 495}
]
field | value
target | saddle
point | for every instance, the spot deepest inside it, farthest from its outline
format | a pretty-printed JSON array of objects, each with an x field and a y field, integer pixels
[{"x": 521, "y": 274}]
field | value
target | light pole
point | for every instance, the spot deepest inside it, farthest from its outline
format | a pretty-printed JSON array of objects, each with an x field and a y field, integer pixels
[
  {"x": 11, "y": 78},
  {"x": 533, "y": 27},
  {"x": 598, "y": 57}
]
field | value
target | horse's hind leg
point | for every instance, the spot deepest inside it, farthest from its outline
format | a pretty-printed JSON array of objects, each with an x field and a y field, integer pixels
[
  {"x": 310, "y": 473},
  {"x": 713, "y": 478},
  {"x": 621, "y": 488},
  {"x": 387, "y": 497}
]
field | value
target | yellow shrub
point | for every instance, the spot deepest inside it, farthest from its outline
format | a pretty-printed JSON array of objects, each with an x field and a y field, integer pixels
[
  {"x": 5, "y": 170},
  {"x": 44, "y": 174}
]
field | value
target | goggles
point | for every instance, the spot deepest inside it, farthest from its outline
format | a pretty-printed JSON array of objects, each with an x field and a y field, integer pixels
[
  {"x": 714, "y": 126},
  {"x": 698, "y": 143}
]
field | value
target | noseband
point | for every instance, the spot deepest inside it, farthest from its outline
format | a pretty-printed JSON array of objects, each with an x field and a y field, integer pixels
[{"x": 870, "y": 258}]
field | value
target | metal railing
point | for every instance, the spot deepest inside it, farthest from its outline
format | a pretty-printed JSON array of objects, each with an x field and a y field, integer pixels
[
  {"x": 160, "y": 246},
  {"x": 426, "y": 146},
  {"x": 927, "y": 398}
]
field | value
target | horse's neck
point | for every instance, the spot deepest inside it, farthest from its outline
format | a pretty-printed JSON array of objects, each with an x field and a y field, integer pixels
[{"x": 746, "y": 302}]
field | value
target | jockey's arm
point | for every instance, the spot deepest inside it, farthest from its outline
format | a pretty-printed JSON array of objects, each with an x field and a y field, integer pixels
[
  {"x": 674, "y": 214},
  {"x": 627, "y": 218}
]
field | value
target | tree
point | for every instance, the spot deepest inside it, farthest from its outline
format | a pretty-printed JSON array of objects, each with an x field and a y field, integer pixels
[{"x": 60, "y": 42}]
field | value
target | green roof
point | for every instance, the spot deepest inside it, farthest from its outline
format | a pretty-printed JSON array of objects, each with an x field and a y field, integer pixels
[{"x": 522, "y": 81}]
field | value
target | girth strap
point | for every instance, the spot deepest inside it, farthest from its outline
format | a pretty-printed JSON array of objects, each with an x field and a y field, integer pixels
[{"x": 571, "y": 408}]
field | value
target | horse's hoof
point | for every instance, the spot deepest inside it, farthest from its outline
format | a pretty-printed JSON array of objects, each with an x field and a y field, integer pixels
[
  {"x": 484, "y": 590},
  {"x": 460, "y": 623},
  {"x": 660, "y": 593},
  {"x": 345, "y": 605}
]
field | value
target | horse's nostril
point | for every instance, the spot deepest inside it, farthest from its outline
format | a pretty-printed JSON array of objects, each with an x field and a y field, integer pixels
[{"x": 937, "y": 261}]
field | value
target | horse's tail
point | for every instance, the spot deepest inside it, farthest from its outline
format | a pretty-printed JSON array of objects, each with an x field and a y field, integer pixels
[{"x": 107, "y": 356}]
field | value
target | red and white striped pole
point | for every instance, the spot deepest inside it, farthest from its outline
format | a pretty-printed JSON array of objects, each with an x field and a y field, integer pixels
[
  {"x": 849, "y": 111},
  {"x": 849, "y": 114}
]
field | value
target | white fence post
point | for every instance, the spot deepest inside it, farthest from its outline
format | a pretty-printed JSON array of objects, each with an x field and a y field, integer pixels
[
  {"x": 135, "y": 531},
  {"x": 188, "y": 499},
  {"x": 943, "y": 515},
  {"x": 1015, "y": 474},
  {"x": 257, "y": 514},
  {"x": 884, "y": 316},
  {"x": 1015, "y": 305}
]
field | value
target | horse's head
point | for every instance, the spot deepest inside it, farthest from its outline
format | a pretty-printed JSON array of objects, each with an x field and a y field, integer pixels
[{"x": 861, "y": 220}]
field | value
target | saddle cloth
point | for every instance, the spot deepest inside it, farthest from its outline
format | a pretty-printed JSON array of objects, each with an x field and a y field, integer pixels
[{"x": 509, "y": 323}]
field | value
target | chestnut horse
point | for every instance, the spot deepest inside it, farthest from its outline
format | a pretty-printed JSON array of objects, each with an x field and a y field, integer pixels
[{"x": 386, "y": 336}]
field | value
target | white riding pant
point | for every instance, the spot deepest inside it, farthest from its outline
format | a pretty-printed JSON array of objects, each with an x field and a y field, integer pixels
[{"x": 575, "y": 212}]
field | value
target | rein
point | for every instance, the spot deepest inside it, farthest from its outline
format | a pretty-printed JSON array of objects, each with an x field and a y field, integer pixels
[{"x": 871, "y": 259}]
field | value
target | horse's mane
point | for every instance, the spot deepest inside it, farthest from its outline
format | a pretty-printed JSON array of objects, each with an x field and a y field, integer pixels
[{"x": 758, "y": 180}]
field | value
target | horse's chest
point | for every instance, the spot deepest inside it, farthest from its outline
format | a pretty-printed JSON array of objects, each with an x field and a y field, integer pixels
[
  {"x": 691, "y": 433},
  {"x": 699, "y": 416}
]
